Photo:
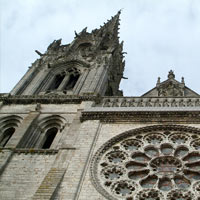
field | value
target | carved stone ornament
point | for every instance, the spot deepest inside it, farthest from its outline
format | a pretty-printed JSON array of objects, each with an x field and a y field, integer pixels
[
  {"x": 154, "y": 163},
  {"x": 170, "y": 89},
  {"x": 148, "y": 102}
]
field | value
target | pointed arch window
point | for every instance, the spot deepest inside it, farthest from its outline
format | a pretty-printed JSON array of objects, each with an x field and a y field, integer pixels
[
  {"x": 56, "y": 82},
  {"x": 66, "y": 80},
  {"x": 49, "y": 137},
  {"x": 44, "y": 132},
  {"x": 7, "y": 134},
  {"x": 73, "y": 78},
  {"x": 8, "y": 125}
]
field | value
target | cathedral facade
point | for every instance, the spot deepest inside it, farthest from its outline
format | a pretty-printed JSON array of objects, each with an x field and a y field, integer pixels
[{"x": 68, "y": 133}]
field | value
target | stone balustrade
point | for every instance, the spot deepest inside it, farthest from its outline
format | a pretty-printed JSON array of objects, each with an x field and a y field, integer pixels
[{"x": 148, "y": 102}]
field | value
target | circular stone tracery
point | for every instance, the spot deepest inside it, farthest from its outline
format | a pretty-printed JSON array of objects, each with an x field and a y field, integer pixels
[
  {"x": 165, "y": 165},
  {"x": 151, "y": 163}
]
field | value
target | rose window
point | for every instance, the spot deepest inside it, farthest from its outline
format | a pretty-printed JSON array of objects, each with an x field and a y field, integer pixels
[{"x": 151, "y": 163}]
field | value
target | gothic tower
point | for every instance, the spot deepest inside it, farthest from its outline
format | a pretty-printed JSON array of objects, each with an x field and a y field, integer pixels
[
  {"x": 90, "y": 65},
  {"x": 67, "y": 132}
]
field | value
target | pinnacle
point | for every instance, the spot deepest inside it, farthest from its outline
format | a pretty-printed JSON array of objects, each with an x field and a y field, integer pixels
[
  {"x": 171, "y": 75},
  {"x": 112, "y": 25},
  {"x": 114, "y": 21}
]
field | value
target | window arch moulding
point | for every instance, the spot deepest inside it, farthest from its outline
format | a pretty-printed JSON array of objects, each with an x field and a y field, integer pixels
[
  {"x": 8, "y": 125},
  {"x": 62, "y": 78},
  {"x": 44, "y": 132}
]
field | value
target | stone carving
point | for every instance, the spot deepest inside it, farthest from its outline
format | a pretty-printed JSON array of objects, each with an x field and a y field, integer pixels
[
  {"x": 170, "y": 90},
  {"x": 54, "y": 45},
  {"x": 148, "y": 102},
  {"x": 155, "y": 162}
]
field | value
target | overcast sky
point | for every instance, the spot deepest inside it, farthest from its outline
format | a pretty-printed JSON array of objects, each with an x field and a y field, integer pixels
[{"x": 158, "y": 35}]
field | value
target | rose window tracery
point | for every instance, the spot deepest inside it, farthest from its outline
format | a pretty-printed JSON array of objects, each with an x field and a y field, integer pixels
[{"x": 151, "y": 163}]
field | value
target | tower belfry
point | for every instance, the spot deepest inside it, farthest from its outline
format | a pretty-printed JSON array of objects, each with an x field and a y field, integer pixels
[
  {"x": 67, "y": 132},
  {"x": 92, "y": 64}
]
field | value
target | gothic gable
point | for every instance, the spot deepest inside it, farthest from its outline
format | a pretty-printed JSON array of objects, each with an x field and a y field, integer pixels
[{"x": 171, "y": 88}]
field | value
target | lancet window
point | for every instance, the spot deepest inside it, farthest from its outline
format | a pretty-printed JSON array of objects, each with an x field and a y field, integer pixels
[
  {"x": 8, "y": 126},
  {"x": 43, "y": 133},
  {"x": 49, "y": 137},
  {"x": 65, "y": 80}
]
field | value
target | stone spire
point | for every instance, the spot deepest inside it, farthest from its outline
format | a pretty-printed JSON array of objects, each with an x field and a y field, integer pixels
[{"x": 111, "y": 28}]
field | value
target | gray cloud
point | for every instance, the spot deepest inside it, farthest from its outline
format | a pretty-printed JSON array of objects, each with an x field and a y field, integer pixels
[{"x": 158, "y": 35}]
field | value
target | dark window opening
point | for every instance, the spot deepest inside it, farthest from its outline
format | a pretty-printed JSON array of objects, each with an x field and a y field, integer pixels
[
  {"x": 6, "y": 136},
  {"x": 57, "y": 81},
  {"x": 72, "y": 81},
  {"x": 50, "y": 135},
  {"x": 109, "y": 91}
]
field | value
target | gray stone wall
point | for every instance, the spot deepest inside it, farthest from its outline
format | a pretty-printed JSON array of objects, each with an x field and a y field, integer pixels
[{"x": 23, "y": 175}]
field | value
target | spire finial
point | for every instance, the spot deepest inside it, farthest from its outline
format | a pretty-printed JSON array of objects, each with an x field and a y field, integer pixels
[
  {"x": 158, "y": 81},
  {"x": 112, "y": 24},
  {"x": 171, "y": 75},
  {"x": 182, "y": 80}
]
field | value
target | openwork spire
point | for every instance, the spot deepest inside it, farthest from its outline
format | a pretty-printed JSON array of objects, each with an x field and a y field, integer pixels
[
  {"x": 113, "y": 22},
  {"x": 112, "y": 26}
]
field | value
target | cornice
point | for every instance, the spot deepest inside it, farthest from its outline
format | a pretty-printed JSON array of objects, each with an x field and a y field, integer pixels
[
  {"x": 143, "y": 116},
  {"x": 45, "y": 99}
]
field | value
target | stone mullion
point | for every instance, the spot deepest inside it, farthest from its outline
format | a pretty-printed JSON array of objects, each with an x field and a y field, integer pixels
[
  {"x": 64, "y": 82},
  {"x": 32, "y": 139},
  {"x": 40, "y": 139}
]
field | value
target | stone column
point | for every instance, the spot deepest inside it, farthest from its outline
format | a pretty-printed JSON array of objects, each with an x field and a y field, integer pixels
[{"x": 63, "y": 83}]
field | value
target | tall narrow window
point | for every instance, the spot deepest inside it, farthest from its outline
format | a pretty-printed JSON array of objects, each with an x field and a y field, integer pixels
[
  {"x": 7, "y": 134},
  {"x": 72, "y": 81},
  {"x": 57, "y": 81},
  {"x": 50, "y": 135}
]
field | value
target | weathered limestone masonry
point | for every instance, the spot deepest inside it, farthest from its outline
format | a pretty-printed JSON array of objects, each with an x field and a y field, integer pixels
[{"x": 67, "y": 132}]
